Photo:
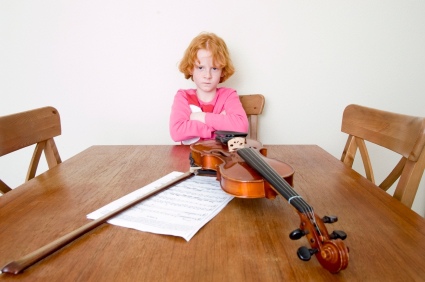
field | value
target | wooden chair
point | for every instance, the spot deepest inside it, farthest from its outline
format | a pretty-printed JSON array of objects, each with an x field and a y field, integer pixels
[
  {"x": 23, "y": 129},
  {"x": 253, "y": 106},
  {"x": 399, "y": 133}
]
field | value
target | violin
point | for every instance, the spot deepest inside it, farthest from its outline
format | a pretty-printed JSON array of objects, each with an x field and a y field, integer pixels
[
  {"x": 243, "y": 169},
  {"x": 235, "y": 176},
  {"x": 246, "y": 172}
]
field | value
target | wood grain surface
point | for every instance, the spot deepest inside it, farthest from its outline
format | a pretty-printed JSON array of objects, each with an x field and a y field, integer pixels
[{"x": 247, "y": 241}]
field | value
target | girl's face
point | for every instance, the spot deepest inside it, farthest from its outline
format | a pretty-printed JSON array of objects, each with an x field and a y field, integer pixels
[{"x": 205, "y": 75}]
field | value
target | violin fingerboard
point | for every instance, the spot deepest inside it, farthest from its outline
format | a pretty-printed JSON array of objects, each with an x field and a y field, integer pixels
[{"x": 257, "y": 162}]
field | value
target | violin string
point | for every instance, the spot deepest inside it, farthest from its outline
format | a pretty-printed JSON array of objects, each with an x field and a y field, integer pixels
[{"x": 254, "y": 159}]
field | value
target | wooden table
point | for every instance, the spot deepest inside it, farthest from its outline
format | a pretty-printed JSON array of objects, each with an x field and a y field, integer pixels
[{"x": 247, "y": 241}]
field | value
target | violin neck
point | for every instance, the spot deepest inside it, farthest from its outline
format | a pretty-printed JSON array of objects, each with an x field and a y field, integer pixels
[{"x": 257, "y": 162}]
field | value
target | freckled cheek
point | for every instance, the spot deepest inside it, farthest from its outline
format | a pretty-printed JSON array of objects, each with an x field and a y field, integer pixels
[{"x": 217, "y": 75}]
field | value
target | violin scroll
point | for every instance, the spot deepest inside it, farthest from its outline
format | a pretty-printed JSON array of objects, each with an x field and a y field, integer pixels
[
  {"x": 329, "y": 249},
  {"x": 248, "y": 173}
]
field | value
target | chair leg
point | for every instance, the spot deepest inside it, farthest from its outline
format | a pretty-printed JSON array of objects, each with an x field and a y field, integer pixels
[
  {"x": 349, "y": 152},
  {"x": 52, "y": 154},
  {"x": 394, "y": 175},
  {"x": 366, "y": 159},
  {"x": 253, "y": 127},
  {"x": 4, "y": 188},
  {"x": 35, "y": 160},
  {"x": 409, "y": 181}
]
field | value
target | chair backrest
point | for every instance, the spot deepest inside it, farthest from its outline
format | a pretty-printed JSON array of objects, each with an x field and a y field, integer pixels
[
  {"x": 21, "y": 130},
  {"x": 399, "y": 133},
  {"x": 253, "y": 105}
]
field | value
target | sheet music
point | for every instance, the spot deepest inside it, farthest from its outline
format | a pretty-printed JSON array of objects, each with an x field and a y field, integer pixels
[{"x": 180, "y": 210}]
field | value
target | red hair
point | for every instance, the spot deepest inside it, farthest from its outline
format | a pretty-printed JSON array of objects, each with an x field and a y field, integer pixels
[{"x": 219, "y": 52}]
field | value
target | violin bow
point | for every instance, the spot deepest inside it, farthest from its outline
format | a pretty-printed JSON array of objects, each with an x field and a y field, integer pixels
[{"x": 17, "y": 266}]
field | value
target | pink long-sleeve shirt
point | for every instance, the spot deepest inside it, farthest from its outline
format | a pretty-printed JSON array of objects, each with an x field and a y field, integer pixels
[{"x": 226, "y": 99}]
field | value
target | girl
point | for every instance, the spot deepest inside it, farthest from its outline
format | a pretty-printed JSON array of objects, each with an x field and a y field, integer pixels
[{"x": 197, "y": 113}]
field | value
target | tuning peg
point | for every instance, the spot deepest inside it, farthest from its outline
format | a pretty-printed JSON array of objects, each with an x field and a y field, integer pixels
[
  {"x": 297, "y": 234},
  {"x": 338, "y": 234},
  {"x": 305, "y": 254},
  {"x": 330, "y": 219}
]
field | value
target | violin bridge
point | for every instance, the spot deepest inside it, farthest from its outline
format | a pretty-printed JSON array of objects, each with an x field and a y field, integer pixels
[{"x": 236, "y": 143}]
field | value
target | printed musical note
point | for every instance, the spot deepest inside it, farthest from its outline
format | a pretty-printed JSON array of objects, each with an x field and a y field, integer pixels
[{"x": 179, "y": 211}]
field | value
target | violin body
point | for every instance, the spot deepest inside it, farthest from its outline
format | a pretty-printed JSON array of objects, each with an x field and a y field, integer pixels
[{"x": 236, "y": 177}]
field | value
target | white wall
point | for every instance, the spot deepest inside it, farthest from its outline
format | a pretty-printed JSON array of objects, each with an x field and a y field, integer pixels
[{"x": 110, "y": 67}]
